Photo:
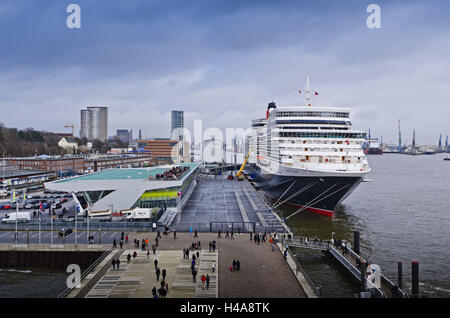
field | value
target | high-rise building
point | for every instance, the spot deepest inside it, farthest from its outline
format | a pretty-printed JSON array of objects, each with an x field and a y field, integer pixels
[
  {"x": 85, "y": 124},
  {"x": 94, "y": 123},
  {"x": 177, "y": 122},
  {"x": 124, "y": 135}
]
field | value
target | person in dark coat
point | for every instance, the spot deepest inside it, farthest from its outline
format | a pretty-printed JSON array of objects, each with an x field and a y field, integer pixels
[
  {"x": 157, "y": 274},
  {"x": 238, "y": 265},
  {"x": 234, "y": 264},
  {"x": 207, "y": 281},
  {"x": 128, "y": 258},
  {"x": 156, "y": 263},
  {"x": 164, "y": 273},
  {"x": 114, "y": 243},
  {"x": 118, "y": 263},
  {"x": 154, "y": 292},
  {"x": 113, "y": 263}
]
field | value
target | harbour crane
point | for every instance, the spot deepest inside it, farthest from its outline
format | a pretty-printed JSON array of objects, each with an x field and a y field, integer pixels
[{"x": 71, "y": 126}]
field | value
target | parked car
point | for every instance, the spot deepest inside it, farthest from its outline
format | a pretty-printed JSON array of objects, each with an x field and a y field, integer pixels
[
  {"x": 28, "y": 206},
  {"x": 6, "y": 207},
  {"x": 230, "y": 177},
  {"x": 63, "y": 200},
  {"x": 65, "y": 232}
]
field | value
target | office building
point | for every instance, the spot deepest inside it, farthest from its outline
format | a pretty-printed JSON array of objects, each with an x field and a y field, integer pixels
[
  {"x": 124, "y": 135},
  {"x": 177, "y": 122},
  {"x": 94, "y": 123}
]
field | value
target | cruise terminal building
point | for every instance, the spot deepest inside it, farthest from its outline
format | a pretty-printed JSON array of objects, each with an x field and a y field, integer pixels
[{"x": 125, "y": 189}]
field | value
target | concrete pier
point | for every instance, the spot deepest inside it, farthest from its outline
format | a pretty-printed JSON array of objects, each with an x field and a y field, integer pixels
[{"x": 263, "y": 272}]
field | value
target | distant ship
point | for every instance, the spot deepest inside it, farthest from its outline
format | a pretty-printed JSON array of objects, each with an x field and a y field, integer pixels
[
  {"x": 307, "y": 156},
  {"x": 372, "y": 147}
]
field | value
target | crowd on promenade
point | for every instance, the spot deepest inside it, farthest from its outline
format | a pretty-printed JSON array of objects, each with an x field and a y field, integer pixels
[{"x": 172, "y": 173}]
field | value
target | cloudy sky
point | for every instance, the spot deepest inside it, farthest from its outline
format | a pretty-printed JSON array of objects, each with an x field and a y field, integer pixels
[{"x": 223, "y": 61}]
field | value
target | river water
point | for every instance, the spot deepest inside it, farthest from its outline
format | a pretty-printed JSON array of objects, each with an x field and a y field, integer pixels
[
  {"x": 31, "y": 282},
  {"x": 403, "y": 214}
]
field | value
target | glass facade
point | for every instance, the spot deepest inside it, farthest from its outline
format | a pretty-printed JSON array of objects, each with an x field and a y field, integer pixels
[
  {"x": 312, "y": 114},
  {"x": 301, "y": 134}
]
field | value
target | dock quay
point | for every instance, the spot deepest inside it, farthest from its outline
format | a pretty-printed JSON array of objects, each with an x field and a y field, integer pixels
[
  {"x": 350, "y": 260},
  {"x": 226, "y": 205},
  {"x": 264, "y": 273}
]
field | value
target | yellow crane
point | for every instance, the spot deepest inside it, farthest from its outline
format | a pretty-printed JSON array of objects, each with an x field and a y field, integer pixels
[
  {"x": 239, "y": 175},
  {"x": 71, "y": 126}
]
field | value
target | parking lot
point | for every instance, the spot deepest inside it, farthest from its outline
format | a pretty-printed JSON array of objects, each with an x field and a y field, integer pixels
[{"x": 46, "y": 199}]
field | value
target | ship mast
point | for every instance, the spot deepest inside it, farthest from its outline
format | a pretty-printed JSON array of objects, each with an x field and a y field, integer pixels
[{"x": 307, "y": 91}]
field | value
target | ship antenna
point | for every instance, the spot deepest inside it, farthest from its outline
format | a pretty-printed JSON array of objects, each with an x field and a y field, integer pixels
[{"x": 307, "y": 92}]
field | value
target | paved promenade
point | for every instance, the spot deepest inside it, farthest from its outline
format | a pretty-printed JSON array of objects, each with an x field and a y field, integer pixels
[{"x": 263, "y": 273}]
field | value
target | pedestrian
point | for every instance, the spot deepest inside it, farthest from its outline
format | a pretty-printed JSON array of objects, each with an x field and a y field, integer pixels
[
  {"x": 118, "y": 263},
  {"x": 148, "y": 254},
  {"x": 121, "y": 236},
  {"x": 195, "y": 233},
  {"x": 157, "y": 273},
  {"x": 113, "y": 263},
  {"x": 156, "y": 263},
  {"x": 218, "y": 234},
  {"x": 198, "y": 254},
  {"x": 154, "y": 249},
  {"x": 194, "y": 274},
  {"x": 210, "y": 246},
  {"x": 164, "y": 273},
  {"x": 126, "y": 239},
  {"x": 285, "y": 254},
  {"x": 213, "y": 267},
  {"x": 207, "y": 281},
  {"x": 134, "y": 254},
  {"x": 128, "y": 258},
  {"x": 203, "y": 279},
  {"x": 175, "y": 234},
  {"x": 154, "y": 292},
  {"x": 114, "y": 243},
  {"x": 232, "y": 235},
  {"x": 121, "y": 244},
  {"x": 134, "y": 242},
  {"x": 238, "y": 265},
  {"x": 234, "y": 264},
  {"x": 226, "y": 235}
]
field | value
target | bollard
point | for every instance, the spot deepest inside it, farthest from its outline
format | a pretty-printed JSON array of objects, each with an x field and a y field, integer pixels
[
  {"x": 415, "y": 278},
  {"x": 399, "y": 274},
  {"x": 356, "y": 242},
  {"x": 363, "y": 276}
]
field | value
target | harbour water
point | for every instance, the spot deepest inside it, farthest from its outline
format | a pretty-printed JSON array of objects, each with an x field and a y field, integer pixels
[
  {"x": 403, "y": 215},
  {"x": 31, "y": 282}
]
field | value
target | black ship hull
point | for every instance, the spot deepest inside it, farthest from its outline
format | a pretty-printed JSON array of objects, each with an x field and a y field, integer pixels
[{"x": 320, "y": 195}]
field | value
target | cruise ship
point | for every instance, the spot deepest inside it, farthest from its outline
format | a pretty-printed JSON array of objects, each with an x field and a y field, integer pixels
[{"x": 307, "y": 156}]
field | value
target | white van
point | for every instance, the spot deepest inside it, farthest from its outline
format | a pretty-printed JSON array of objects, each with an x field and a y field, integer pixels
[
  {"x": 139, "y": 214},
  {"x": 21, "y": 217}
]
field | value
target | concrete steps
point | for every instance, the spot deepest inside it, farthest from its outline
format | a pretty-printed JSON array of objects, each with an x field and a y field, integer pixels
[{"x": 205, "y": 268}]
